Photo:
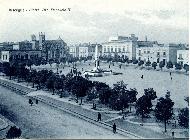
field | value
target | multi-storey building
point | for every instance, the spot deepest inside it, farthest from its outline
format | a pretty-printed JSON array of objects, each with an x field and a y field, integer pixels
[
  {"x": 121, "y": 46},
  {"x": 25, "y": 45},
  {"x": 54, "y": 49},
  {"x": 155, "y": 52},
  {"x": 51, "y": 49},
  {"x": 74, "y": 51},
  {"x": 183, "y": 57},
  {"x": 9, "y": 55},
  {"x": 84, "y": 50},
  {"x": 6, "y": 45}
]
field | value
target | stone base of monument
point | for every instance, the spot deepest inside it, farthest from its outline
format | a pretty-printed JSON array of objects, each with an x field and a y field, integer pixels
[{"x": 99, "y": 73}]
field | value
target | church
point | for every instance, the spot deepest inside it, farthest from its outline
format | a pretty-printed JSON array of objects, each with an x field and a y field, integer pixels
[{"x": 51, "y": 49}]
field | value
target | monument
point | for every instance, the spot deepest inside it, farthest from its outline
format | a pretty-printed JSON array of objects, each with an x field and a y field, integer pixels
[{"x": 97, "y": 71}]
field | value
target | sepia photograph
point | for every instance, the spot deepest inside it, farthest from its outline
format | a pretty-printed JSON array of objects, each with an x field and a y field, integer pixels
[{"x": 94, "y": 69}]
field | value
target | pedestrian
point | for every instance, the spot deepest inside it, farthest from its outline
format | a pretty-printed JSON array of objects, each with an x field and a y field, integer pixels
[
  {"x": 82, "y": 69},
  {"x": 170, "y": 73},
  {"x": 173, "y": 134},
  {"x": 36, "y": 101},
  {"x": 109, "y": 66},
  {"x": 114, "y": 128},
  {"x": 30, "y": 102},
  {"x": 99, "y": 116},
  {"x": 142, "y": 77},
  {"x": 171, "y": 78}
]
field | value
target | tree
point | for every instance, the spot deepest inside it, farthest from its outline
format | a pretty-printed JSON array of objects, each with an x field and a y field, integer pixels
[
  {"x": 144, "y": 104},
  {"x": 80, "y": 86},
  {"x": 6, "y": 68},
  {"x": 178, "y": 66},
  {"x": 154, "y": 64},
  {"x": 29, "y": 63},
  {"x": 164, "y": 109},
  {"x": 161, "y": 64},
  {"x": 119, "y": 97},
  {"x": 13, "y": 133},
  {"x": 132, "y": 93},
  {"x": 169, "y": 65},
  {"x": 51, "y": 83},
  {"x": 183, "y": 116},
  {"x": 92, "y": 93},
  {"x": 104, "y": 94},
  {"x": 186, "y": 67}
]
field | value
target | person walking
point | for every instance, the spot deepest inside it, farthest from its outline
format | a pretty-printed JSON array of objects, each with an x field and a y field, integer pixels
[
  {"x": 99, "y": 116},
  {"x": 142, "y": 77},
  {"x": 114, "y": 128},
  {"x": 36, "y": 101},
  {"x": 170, "y": 73}
]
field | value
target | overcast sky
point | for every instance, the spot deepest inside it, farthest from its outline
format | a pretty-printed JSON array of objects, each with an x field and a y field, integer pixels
[{"x": 95, "y": 20}]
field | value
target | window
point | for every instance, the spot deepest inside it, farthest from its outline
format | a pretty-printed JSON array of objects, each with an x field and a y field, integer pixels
[
  {"x": 139, "y": 52},
  {"x": 123, "y": 49},
  {"x": 180, "y": 56},
  {"x": 111, "y": 49},
  {"x": 3, "y": 57},
  {"x": 148, "y": 51},
  {"x": 108, "y": 49},
  {"x": 144, "y": 51},
  {"x": 119, "y": 49},
  {"x": 158, "y": 53},
  {"x": 164, "y": 53},
  {"x": 104, "y": 49},
  {"x": 115, "y": 49}
]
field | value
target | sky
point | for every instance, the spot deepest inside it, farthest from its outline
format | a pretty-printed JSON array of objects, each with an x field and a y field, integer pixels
[{"x": 165, "y": 21}]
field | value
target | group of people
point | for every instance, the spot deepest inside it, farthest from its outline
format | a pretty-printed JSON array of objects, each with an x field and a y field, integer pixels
[
  {"x": 114, "y": 125},
  {"x": 31, "y": 102}
]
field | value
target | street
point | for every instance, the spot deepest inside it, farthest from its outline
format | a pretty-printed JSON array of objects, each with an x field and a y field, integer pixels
[{"x": 43, "y": 121}]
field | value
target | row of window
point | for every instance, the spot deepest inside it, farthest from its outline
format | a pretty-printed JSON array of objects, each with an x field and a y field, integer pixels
[
  {"x": 4, "y": 57},
  {"x": 119, "y": 49},
  {"x": 158, "y": 53}
]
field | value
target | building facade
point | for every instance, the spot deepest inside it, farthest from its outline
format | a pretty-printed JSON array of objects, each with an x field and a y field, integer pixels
[
  {"x": 74, "y": 51},
  {"x": 155, "y": 52},
  {"x": 54, "y": 49},
  {"x": 84, "y": 50},
  {"x": 183, "y": 57},
  {"x": 121, "y": 46},
  {"x": 9, "y": 55},
  {"x": 25, "y": 45}
]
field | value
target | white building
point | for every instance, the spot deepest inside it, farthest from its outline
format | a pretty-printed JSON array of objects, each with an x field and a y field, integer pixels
[
  {"x": 5, "y": 56},
  {"x": 74, "y": 51},
  {"x": 9, "y": 55},
  {"x": 122, "y": 46},
  {"x": 83, "y": 50},
  {"x": 183, "y": 57},
  {"x": 155, "y": 52}
]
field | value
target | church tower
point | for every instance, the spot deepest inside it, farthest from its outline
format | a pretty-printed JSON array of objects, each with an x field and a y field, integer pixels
[{"x": 41, "y": 39}]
